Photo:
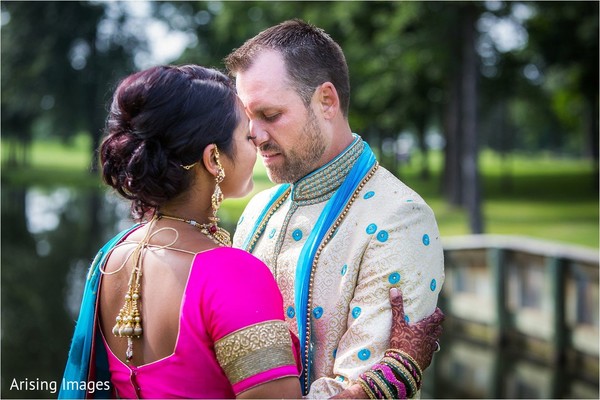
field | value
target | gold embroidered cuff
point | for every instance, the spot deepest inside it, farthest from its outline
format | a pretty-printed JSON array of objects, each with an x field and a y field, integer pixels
[{"x": 255, "y": 349}]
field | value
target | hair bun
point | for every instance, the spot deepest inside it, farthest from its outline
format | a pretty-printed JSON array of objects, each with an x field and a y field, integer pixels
[{"x": 159, "y": 117}]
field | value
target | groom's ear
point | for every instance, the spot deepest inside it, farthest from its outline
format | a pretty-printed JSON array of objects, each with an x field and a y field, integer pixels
[{"x": 328, "y": 100}]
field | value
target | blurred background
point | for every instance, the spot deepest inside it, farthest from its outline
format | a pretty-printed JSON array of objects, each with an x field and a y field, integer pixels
[{"x": 488, "y": 109}]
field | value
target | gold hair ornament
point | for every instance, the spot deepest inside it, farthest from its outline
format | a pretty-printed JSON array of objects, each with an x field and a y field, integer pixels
[{"x": 188, "y": 167}]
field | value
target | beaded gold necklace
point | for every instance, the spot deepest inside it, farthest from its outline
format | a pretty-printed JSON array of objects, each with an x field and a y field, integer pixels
[{"x": 217, "y": 234}]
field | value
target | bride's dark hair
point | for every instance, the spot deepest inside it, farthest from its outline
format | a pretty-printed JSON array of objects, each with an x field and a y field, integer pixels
[{"x": 160, "y": 119}]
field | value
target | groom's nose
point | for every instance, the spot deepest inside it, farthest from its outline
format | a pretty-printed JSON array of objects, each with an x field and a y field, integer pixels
[{"x": 258, "y": 133}]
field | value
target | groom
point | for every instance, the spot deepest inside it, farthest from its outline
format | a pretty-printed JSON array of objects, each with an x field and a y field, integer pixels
[{"x": 339, "y": 230}]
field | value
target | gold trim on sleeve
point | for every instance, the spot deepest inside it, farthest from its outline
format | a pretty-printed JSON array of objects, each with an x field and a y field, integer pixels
[{"x": 255, "y": 349}]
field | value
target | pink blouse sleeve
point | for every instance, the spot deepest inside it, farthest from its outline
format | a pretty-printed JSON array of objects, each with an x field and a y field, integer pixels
[{"x": 245, "y": 319}]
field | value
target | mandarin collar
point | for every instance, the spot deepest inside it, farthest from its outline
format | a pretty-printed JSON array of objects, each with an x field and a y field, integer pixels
[{"x": 323, "y": 182}]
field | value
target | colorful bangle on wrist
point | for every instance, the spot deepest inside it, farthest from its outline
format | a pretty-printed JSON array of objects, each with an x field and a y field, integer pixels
[
  {"x": 374, "y": 385},
  {"x": 396, "y": 376},
  {"x": 408, "y": 363},
  {"x": 392, "y": 379},
  {"x": 365, "y": 386},
  {"x": 382, "y": 384},
  {"x": 385, "y": 382},
  {"x": 407, "y": 357},
  {"x": 402, "y": 375}
]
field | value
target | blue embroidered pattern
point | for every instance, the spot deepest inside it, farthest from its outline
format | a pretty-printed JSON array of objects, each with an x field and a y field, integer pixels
[
  {"x": 426, "y": 239},
  {"x": 382, "y": 236},
  {"x": 318, "y": 312},
  {"x": 272, "y": 233},
  {"x": 290, "y": 312},
  {"x": 297, "y": 235},
  {"x": 371, "y": 229},
  {"x": 364, "y": 354}
]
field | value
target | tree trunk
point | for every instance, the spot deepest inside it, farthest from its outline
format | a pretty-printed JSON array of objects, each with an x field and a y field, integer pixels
[
  {"x": 96, "y": 113},
  {"x": 470, "y": 169},
  {"x": 593, "y": 137},
  {"x": 452, "y": 182},
  {"x": 452, "y": 178},
  {"x": 506, "y": 145},
  {"x": 421, "y": 126}
]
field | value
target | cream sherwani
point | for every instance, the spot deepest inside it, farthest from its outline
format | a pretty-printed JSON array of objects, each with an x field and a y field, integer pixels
[{"x": 387, "y": 238}]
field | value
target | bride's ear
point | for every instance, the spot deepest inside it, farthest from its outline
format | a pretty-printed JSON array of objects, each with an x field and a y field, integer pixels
[{"x": 209, "y": 158}]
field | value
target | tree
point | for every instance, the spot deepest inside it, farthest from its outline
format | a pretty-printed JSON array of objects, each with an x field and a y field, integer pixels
[
  {"x": 400, "y": 79},
  {"x": 565, "y": 36},
  {"x": 415, "y": 65},
  {"x": 58, "y": 83}
]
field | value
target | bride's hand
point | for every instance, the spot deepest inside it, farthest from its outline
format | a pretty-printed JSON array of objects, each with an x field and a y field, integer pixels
[{"x": 419, "y": 340}]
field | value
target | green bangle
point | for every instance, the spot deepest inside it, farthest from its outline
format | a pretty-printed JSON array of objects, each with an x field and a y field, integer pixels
[
  {"x": 409, "y": 358},
  {"x": 365, "y": 386},
  {"x": 380, "y": 381}
]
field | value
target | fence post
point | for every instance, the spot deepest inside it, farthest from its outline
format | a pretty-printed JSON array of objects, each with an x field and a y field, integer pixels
[
  {"x": 496, "y": 260},
  {"x": 556, "y": 268}
]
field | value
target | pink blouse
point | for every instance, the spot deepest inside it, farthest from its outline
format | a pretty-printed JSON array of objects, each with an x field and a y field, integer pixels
[{"x": 232, "y": 335}]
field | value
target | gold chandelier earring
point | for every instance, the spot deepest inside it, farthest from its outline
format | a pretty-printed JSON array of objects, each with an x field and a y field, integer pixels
[{"x": 216, "y": 199}]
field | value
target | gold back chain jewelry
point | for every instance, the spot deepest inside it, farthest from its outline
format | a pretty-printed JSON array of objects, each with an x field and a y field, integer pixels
[{"x": 129, "y": 321}]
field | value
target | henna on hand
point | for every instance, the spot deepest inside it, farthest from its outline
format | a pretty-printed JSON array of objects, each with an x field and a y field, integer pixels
[{"x": 418, "y": 340}]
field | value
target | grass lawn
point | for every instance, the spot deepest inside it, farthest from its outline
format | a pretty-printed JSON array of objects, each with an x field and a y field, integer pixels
[
  {"x": 527, "y": 195},
  {"x": 53, "y": 163},
  {"x": 531, "y": 195}
]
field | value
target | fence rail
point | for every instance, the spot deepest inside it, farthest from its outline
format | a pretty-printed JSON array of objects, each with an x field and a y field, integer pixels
[{"x": 539, "y": 295}]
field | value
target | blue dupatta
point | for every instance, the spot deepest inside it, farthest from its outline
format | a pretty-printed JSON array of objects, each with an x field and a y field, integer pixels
[
  {"x": 88, "y": 361},
  {"x": 329, "y": 215}
]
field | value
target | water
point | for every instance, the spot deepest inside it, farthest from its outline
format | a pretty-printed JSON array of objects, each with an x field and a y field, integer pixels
[
  {"x": 49, "y": 237},
  {"x": 467, "y": 369}
]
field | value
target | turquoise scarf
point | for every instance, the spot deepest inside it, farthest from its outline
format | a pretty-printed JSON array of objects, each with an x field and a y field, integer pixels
[
  {"x": 88, "y": 361},
  {"x": 329, "y": 215}
]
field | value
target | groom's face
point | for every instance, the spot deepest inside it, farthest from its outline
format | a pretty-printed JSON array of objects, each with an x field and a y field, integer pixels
[{"x": 288, "y": 133}]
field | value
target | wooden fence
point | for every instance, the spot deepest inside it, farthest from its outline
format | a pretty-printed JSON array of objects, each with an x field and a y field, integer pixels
[{"x": 514, "y": 291}]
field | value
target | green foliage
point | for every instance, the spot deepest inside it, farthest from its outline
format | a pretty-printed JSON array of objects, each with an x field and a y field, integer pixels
[
  {"x": 52, "y": 162},
  {"x": 59, "y": 61},
  {"x": 563, "y": 40},
  {"x": 404, "y": 58}
]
